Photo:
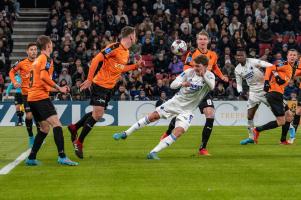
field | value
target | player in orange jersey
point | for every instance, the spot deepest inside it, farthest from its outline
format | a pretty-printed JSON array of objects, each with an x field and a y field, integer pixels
[
  {"x": 206, "y": 105},
  {"x": 23, "y": 69},
  {"x": 43, "y": 110},
  {"x": 277, "y": 78},
  {"x": 113, "y": 60}
]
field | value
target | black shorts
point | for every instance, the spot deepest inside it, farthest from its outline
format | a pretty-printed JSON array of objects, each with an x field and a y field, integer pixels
[
  {"x": 277, "y": 104},
  {"x": 18, "y": 99},
  {"x": 42, "y": 110},
  {"x": 206, "y": 102},
  {"x": 100, "y": 96},
  {"x": 25, "y": 103},
  {"x": 299, "y": 98}
]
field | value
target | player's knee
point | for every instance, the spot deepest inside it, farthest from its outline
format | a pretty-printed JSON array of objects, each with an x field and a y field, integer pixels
[
  {"x": 45, "y": 128},
  {"x": 178, "y": 131},
  {"x": 153, "y": 116},
  {"x": 28, "y": 115},
  {"x": 281, "y": 121},
  {"x": 209, "y": 113}
]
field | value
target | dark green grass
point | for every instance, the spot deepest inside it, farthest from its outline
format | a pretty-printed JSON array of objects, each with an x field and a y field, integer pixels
[{"x": 119, "y": 170}]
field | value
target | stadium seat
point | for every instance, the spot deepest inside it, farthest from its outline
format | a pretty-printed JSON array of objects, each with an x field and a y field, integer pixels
[{"x": 263, "y": 46}]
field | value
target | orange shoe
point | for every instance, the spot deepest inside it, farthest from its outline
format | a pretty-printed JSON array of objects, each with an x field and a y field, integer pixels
[
  {"x": 256, "y": 135},
  {"x": 163, "y": 136},
  {"x": 204, "y": 152},
  {"x": 285, "y": 143}
]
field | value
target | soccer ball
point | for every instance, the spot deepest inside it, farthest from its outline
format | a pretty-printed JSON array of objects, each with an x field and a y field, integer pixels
[{"x": 178, "y": 47}]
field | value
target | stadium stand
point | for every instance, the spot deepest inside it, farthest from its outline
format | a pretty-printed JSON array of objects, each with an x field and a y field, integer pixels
[{"x": 79, "y": 29}]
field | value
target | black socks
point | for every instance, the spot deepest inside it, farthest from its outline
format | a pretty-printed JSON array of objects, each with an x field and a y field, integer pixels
[
  {"x": 59, "y": 140},
  {"x": 81, "y": 122},
  {"x": 88, "y": 125},
  {"x": 206, "y": 132}
]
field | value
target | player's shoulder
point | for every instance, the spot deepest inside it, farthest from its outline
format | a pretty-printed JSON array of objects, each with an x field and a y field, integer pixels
[
  {"x": 19, "y": 62},
  {"x": 210, "y": 74},
  {"x": 110, "y": 48},
  {"x": 281, "y": 63}
]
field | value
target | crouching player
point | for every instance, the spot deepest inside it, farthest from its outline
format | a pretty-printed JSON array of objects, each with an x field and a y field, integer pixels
[{"x": 195, "y": 83}]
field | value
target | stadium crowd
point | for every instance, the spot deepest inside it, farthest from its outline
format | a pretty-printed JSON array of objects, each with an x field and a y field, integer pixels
[
  {"x": 8, "y": 12},
  {"x": 80, "y": 28}
]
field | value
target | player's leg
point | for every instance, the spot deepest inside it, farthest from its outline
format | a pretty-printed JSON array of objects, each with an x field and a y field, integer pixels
[
  {"x": 152, "y": 117},
  {"x": 286, "y": 126},
  {"x": 251, "y": 113},
  {"x": 171, "y": 126},
  {"x": 182, "y": 124},
  {"x": 18, "y": 103},
  {"x": 28, "y": 120},
  {"x": 206, "y": 107},
  {"x": 56, "y": 125},
  {"x": 99, "y": 100},
  {"x": 73, "y": 128},
  {"x": 38, "y": 141},
  {"x": 275, "y": 101}
]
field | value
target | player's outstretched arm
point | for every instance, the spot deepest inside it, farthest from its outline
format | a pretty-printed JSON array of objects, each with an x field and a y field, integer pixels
[
  {"x": 180, "y": 81},
  {"x": 217, "y": 71},
  {"x": 259, "y": 63},
  {"x": 209, "y": 79}
]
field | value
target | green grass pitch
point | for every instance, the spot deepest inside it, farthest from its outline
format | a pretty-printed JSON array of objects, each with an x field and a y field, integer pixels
[{"x": 119, "y": 169}]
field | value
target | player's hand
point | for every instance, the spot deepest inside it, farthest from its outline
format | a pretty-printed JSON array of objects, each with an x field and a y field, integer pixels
[
  {"x": 17, "y": 85},
  {"x": 86, "y": 84},
  {"x": 266, "y": 86},
  {"x": 64, "y": 89},
  {"x": 225, "y": 79},
  {"x": 186, "y": 84},
  {"x": 140, "y": 63}
]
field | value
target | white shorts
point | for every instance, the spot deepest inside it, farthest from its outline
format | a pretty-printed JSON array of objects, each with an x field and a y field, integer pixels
[
  {"x": 255, "y": 98},
  {"x": 183, "y": 119}
]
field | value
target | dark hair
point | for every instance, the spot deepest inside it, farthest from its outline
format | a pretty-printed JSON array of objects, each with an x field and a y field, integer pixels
[
  {"x": 42, "y": 41},
  {"x": 126, "y": 31},
  {"x": 294, "y": 50},
  {"x": 31, "y": 44},
  {"x": 241, "y": 49},
  {"x": 201, "y": 59}
]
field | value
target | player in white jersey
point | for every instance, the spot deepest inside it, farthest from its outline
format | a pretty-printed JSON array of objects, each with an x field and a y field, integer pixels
[
  {"x": 195, "y": 83},
  {"x": 249, "y": 69}
]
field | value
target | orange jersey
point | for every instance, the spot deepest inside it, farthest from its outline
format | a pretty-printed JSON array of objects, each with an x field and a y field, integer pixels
[
  {"x": 114, "y": 60},
  {"x": 284, "y": 71},
  {"x": 41, "y": 78},
  {"x": 297, "y": 71},
  {"x": 23, "y": 68},
  {"x": 212, "y": 65}
]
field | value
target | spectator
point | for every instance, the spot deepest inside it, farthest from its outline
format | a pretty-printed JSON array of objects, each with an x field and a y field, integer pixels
[
  {"x": 176, "y": 65},
  {"x": 160, "y": 88},
  {"x": 141, "y": 96},
  {"x": 291, "y": 88},
  {"x": 65, "y": 77},
  {"x": 220, "y": 92},
  {"x": 76, "y": 93},
  {"x": 163, "y": 99},
  {"x": 149, "y": 77},
  {"x": 235, "y": 25},
  {"x": 147, "y": 47},
  {"x": 265, "y": 34},
  {"x": 161, "y": 64},
  {"x": 121, "y": 94},
  {"x": 231, "y": 91}
]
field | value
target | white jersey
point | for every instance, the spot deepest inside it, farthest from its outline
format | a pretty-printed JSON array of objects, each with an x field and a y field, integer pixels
[
  {"x": 252, "y": 74},
  {"x": 188, "y": 98}
]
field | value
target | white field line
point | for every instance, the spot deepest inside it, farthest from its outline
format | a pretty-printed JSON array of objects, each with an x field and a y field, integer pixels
[{"x": 6, "y": 169}]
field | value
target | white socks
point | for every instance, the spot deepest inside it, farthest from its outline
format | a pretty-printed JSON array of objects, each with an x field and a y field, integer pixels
[
  {"x": 250, "y": 126},
  {"x": 140, "y": 124},
  {"x": 164, "y": 143}
]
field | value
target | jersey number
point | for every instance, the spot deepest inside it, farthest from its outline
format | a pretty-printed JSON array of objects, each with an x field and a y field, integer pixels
[
  {"x": 31, "y": 79},
  {"x": 209, "y": 102}
]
